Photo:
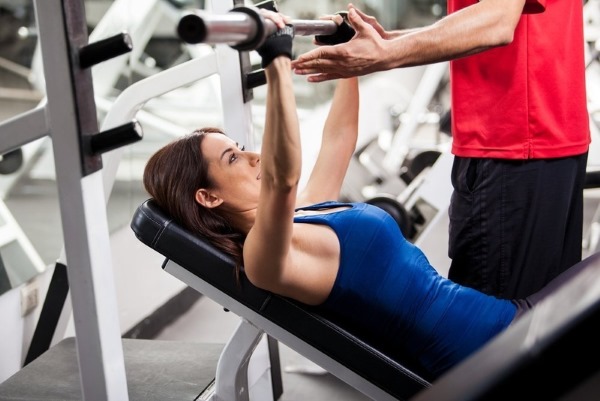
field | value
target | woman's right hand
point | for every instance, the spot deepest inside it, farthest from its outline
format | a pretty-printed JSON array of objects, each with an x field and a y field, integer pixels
[
  {"x": 280, "y": 20},
  {"x": 280, "y": 42}
]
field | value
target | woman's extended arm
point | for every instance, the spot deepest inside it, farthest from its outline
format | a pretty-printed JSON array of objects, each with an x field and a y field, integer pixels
[
  {"x": 271, "y": 260},
  {"x": 267, "y": 247},
  {"x": 337, "y": 145},
  {"x": 483, "y": 25}
]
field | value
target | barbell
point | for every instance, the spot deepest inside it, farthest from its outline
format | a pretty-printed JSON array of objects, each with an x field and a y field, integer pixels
[{"x": 242, "y": 28}]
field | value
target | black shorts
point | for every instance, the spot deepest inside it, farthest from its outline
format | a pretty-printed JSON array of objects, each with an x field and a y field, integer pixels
[{"x": 515, "y": 224}]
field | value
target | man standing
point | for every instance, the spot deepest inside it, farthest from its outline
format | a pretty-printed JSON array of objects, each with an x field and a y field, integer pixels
[{"x": 520, "y": 129}]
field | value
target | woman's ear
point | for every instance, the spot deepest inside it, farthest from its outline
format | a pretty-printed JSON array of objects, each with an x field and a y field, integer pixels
[{"x": 207, "y": 199}]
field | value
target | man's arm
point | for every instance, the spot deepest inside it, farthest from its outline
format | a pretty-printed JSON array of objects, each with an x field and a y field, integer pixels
[{"x": 481, "y": 26}]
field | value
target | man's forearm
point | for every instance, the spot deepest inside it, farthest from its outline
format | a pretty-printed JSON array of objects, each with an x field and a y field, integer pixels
[{"x": 484, "y": 25}]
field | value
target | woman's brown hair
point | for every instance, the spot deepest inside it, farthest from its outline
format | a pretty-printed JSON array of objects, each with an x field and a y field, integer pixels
[{"x": 173, "y": 175}]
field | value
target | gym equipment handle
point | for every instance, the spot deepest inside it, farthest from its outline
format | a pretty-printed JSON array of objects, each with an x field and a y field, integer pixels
[
  {"x": 103, "y": 50},
  {"x": 114, "y": 138},
  {"x": 240, "y": 26}
]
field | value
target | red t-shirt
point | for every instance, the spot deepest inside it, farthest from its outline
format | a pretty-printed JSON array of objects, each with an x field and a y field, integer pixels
[{"x": 527, "y": 99}]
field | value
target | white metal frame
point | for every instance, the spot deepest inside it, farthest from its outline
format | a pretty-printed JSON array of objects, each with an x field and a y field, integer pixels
[
  {"x": 237, "y": 121},
  {"x": 83, "y": 197},
  {"x": 83, "y": 210},
  {"x": 283, "y": 336},
  {"x": 429, "y": 83}
]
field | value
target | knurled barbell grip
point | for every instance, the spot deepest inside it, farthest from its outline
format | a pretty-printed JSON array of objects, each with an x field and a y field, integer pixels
[{"x": 304, "y": 27}]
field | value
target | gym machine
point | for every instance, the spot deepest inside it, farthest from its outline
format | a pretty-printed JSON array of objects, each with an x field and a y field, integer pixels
[
  {"x": 99, "y": 349},
  {"x": 71, "y": 122},
  {"x": 104, "y": 351}
]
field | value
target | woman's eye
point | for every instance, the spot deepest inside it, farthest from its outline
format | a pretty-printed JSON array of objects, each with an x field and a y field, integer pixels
[{"x": 234, "y": 156}]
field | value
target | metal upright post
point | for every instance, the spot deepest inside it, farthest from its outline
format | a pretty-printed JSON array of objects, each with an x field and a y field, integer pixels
[
  {"x": 72, "y": 117},
  {"x": 237, "y": 112}
]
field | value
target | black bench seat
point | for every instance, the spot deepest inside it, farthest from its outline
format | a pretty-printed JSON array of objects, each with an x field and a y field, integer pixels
[{"x": 298, "y": 326}]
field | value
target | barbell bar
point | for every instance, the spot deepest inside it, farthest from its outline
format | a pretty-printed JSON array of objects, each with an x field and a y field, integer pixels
[{"x": 243, "y": 28}]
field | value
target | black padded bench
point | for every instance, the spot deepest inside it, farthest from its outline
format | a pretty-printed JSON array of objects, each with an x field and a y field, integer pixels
[
  {"x": 201, "y": 266},
  {"x": 551, "y": 353}
]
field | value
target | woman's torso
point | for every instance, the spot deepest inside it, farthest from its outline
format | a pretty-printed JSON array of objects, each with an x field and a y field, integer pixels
[{"x": 387, "y": 290}]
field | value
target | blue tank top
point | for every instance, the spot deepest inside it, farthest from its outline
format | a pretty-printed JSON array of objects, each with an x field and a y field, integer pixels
[{"x": 387, "y": 290}]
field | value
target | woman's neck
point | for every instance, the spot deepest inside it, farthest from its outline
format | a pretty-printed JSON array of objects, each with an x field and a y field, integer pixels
[{"x": 242, "y": 221}]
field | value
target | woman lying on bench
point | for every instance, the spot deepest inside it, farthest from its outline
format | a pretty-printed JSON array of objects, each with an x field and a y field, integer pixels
[{"x": 348, "y": 259}]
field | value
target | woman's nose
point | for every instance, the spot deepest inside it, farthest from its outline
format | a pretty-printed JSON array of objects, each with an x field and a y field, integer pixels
[{"x": 253, "y": 157}]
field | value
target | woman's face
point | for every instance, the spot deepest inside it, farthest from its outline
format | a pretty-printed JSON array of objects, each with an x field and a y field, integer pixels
[{"x": 234, "y": 171}]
